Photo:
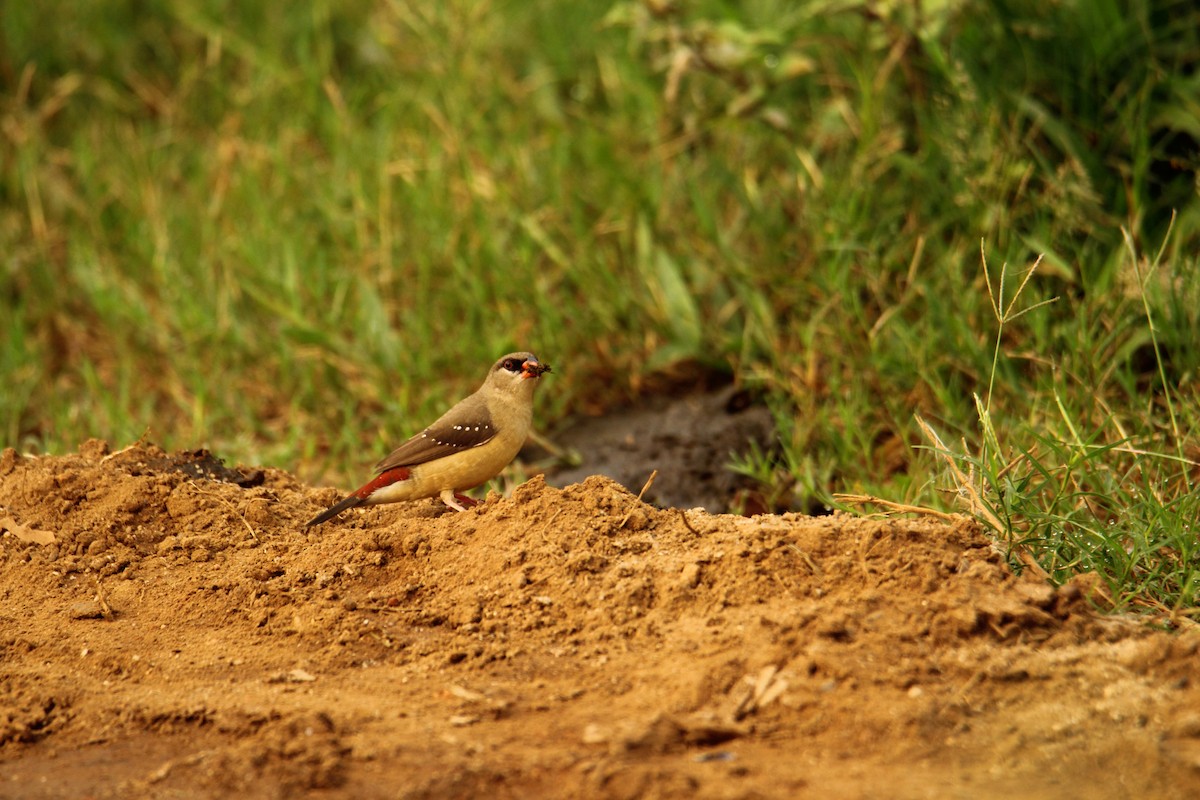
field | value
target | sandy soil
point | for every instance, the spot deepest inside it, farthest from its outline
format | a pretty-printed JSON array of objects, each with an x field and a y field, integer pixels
[{"x": 169, "y": 629}]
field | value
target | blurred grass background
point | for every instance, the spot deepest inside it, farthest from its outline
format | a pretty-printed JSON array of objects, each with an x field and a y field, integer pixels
[{"x": 291, "y": 232}]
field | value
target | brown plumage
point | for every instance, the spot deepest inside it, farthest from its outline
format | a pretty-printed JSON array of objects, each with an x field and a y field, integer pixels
[{"x": 467, "y": 446}]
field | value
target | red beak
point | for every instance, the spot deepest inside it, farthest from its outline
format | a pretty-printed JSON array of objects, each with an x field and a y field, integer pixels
[{"x": 533, "y": 369}]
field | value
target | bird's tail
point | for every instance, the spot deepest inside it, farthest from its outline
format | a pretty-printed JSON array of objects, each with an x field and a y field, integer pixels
[{"x": 351, "y": 501}]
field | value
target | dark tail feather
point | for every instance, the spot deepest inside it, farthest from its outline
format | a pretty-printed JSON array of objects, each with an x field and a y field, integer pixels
[{"x": 351, "y": 501}]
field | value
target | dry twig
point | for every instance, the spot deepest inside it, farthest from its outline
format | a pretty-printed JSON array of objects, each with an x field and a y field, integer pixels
[
  {"x": 899, "y": 508},
  {"x": 649, "y": 481}
]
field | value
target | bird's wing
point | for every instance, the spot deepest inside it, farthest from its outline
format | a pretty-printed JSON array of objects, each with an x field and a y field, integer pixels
[{"x": 469, "y": 424}]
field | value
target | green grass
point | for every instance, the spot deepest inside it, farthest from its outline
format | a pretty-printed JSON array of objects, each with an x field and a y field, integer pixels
[
  {"x": 290, "y": 233},
  {"x": 1088, "y": 489}
]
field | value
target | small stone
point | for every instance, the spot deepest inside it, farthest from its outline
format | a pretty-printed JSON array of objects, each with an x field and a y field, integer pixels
[
  {"x": 595, "y": 734},
  {"x": 1039, "y": 594},
  {"x": 690, "y": 577},
  {"x": 638, "y": 520},
  {"x": 87, "y": 609}
]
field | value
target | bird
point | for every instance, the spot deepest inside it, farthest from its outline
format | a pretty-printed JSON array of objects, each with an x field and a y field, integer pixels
[{"x": 467, "y": 446}]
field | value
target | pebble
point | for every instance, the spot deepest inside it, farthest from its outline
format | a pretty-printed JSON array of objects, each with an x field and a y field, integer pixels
[{"x": 86, "y": 609}]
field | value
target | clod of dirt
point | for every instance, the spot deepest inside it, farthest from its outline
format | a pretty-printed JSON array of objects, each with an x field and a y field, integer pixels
[
  {"x": 561, "y": 642},
  {"x": 203, "y": 464}
]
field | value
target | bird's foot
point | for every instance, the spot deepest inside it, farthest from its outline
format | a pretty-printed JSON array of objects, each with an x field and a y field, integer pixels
[{"x": 459, "y": 502}]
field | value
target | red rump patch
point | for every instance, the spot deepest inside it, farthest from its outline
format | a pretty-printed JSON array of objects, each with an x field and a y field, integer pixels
[{"x": 385, "y": 478}]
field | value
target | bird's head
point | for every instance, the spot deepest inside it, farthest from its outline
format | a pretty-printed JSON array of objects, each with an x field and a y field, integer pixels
[{"x": 517, "y": 372}]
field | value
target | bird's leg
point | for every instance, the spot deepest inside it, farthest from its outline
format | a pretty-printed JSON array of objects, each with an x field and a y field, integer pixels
[{"x": 458, "y": 502}]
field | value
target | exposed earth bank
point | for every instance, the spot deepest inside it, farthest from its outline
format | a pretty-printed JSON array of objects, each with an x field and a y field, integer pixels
[{"x": 168, "y": 628}]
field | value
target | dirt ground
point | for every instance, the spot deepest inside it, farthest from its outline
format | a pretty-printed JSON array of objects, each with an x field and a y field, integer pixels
[{"x": 169, "y": 629}]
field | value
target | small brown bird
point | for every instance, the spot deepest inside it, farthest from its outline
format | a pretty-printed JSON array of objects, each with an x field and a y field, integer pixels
[{"x": 466, "y": 447}]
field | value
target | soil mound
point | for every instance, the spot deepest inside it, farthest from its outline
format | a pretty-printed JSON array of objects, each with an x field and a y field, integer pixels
[{"x": 170, "y": 629}]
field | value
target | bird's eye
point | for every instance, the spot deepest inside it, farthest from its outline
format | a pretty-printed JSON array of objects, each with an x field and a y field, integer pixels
[{"x": 512, "y": 365}]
